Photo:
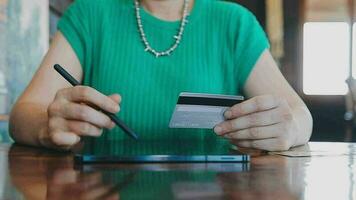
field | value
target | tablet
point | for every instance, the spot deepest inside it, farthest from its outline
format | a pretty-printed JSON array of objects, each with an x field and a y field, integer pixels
[{"x": 162, "y": 151}]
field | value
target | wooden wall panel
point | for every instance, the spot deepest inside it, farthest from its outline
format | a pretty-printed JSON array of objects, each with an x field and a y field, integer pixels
[
  {"x": 257, "y": 7},
  {"x": 326, "y": 10}
]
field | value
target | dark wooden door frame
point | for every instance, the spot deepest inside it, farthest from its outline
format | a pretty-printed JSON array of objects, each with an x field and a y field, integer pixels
[
  {"x": 327, "y": 110},
  {"x": 338, "y": 101}
]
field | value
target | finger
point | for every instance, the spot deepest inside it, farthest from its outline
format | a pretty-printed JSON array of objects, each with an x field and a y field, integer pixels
[
  {"x": 95, "y": 193},
  {"x": 256, "y": 104},
  {"x": 92, "y": 96},
  {"x": 64, "y": 139},
  {"x": 83, "y": 128},
  {"x": 254, "y": 133},
  {"x": 116, "y": 97},
  {"x": 65, "y": 176},
  {"x": 82, "y": 185},
  {"x": 114, "y": 196},
  {"x": 90, "y": 180},
  {"x": 272, "y": 144},
  {"x": 85, "y": 113},
  {"x": 264, "y": 118}
]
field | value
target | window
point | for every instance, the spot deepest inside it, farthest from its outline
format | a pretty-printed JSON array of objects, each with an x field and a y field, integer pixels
[
  {"x": 326, "y": 58},
  {"x": 326, "y": 47}
]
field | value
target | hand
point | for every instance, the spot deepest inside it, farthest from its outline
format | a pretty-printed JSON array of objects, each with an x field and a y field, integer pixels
[
  {"x": 69, "y": 184},
  {"x": 263, "y": 122},
  {"x": 70, "y": 116}
]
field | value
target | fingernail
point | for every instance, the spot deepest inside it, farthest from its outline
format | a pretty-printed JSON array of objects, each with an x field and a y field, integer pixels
[
  {"x": 112, "y": 125},
  {"x": 218, "y": 130},
  {"x": 228, "y": 114},
  {"x": 73, "y": 139}
]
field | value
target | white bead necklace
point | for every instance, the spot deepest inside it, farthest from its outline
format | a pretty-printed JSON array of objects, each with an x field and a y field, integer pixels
[{"x": 177, "y": 37}]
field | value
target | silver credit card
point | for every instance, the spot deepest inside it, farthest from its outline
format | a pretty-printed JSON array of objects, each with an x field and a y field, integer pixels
[{"x": 202, "y": 111}]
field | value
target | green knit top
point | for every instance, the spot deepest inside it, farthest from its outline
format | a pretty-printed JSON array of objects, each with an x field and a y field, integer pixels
[{"x": 221, "y": 43}]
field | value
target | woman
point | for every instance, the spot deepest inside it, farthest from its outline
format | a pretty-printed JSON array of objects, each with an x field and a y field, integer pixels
[{"x": 143, "y": 54}]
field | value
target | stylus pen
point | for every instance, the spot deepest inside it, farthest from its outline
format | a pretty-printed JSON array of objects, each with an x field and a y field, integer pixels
[{"x": 112, "y": 116}]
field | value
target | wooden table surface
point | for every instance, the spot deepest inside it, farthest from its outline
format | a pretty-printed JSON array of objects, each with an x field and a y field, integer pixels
[{"x": 30, "y": 173}]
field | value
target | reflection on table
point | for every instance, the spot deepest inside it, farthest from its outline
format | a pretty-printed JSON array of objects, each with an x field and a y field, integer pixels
[{"x": 41, "y": 174}]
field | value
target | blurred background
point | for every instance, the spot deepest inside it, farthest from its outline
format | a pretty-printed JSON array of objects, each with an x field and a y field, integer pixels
[{"x": 312, "y": 41}]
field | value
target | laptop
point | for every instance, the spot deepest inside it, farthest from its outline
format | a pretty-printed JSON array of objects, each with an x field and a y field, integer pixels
[{"x": 159, "y": 151}]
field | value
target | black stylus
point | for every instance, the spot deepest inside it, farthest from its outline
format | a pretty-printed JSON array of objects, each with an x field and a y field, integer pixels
[{"x": 112, "y": 116}]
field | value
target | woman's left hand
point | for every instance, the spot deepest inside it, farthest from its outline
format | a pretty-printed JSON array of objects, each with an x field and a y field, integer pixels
[{"x": 263, "y": 122}]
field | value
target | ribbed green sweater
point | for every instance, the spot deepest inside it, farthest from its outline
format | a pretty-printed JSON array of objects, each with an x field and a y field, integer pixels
[{"x": 219, "y": 48}]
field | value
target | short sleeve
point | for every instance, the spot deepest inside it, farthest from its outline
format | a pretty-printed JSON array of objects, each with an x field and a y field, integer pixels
[
  {"x": 250, "y": 42},
  {"x": 74, "y": 25}
]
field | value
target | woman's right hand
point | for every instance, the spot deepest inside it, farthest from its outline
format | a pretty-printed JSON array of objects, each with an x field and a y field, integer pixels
[{"x": 70, "y": 116}]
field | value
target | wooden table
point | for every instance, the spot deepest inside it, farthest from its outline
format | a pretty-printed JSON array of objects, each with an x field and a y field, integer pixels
[{"x": 30, "y": 173}]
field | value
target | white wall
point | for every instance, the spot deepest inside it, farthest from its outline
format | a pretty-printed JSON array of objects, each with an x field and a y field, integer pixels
[{"x": 24, "y": 27}]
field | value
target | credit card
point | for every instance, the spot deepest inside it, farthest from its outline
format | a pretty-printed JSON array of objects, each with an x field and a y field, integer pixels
[{"x": 201, "y": 111}]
